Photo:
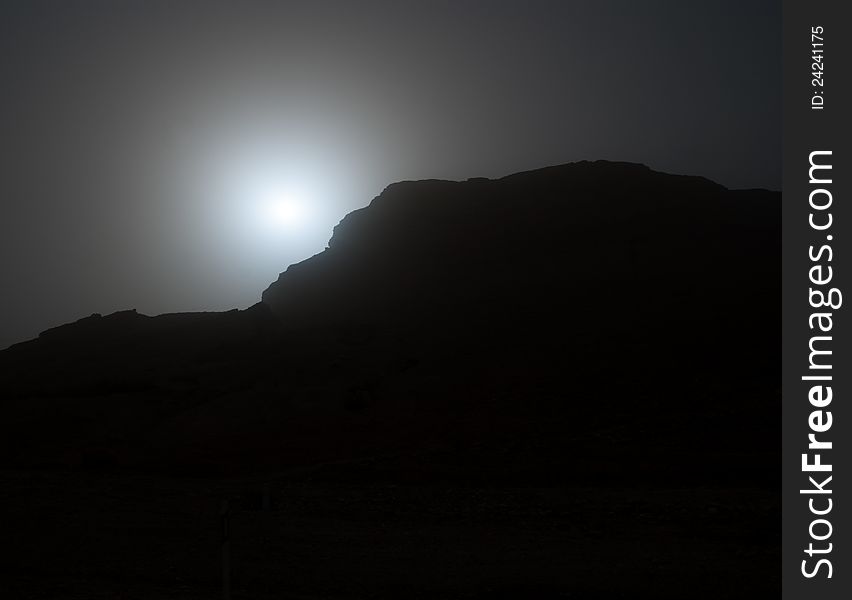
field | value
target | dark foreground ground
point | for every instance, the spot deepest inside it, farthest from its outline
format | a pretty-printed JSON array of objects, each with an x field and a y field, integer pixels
[{"x": 100, "y": 536}]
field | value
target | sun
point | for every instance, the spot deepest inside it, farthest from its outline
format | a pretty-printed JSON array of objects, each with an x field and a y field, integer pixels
[
  {"x": 268, "y": 199},
  {"x": 280, "y": 207},
  {"x": 283, "y": 211}
]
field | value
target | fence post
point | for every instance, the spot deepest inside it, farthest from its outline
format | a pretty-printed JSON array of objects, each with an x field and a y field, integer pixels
[
  {"x": 266, "y": 503},
  {"x": 225, "y": 514}
]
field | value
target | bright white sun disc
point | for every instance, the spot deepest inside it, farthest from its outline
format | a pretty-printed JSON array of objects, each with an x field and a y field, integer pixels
[{"x": 284, "y": 212}]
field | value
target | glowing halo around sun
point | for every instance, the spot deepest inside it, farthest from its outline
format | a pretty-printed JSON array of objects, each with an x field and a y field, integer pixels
[
  {"x": 268, "y": 197},
  {"x": 282, "y": 210},
  {"x": 274, "y": 201}
]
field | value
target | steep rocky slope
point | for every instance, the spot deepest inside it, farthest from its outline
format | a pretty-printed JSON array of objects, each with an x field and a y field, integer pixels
[{"x": 597, "y": 317}]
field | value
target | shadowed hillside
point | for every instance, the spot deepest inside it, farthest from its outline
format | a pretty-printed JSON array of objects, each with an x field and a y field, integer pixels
[
  {"x": 595, "y": 325},
  {"x": 540, "y": 307}
]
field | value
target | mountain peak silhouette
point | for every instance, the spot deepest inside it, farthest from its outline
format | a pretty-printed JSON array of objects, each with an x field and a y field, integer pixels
[{"x": 579, "y": 314}]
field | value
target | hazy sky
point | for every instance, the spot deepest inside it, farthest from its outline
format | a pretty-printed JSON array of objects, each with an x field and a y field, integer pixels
[{"x": 176, "y": 155}]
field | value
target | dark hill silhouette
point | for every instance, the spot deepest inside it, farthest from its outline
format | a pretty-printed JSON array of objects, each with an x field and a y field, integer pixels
[
  {"x": 530, "y": 310},
  {"x": 564, "y": 380}
]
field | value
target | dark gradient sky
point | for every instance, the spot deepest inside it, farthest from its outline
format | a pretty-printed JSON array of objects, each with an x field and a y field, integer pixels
[{"x": 139, "y": 138}]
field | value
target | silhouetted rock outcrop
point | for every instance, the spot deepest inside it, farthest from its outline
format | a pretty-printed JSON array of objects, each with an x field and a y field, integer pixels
[{"x": 588, "y": 321}]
